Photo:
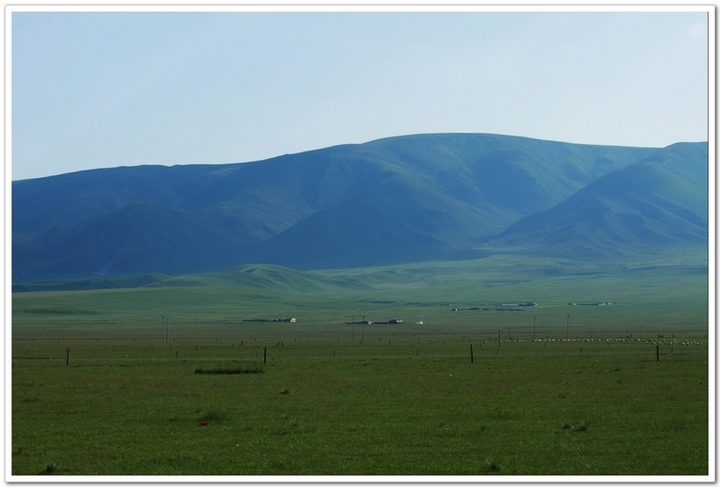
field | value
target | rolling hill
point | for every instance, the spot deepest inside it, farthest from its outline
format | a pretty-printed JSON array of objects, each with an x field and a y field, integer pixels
[{"x": 396, "y": 200}]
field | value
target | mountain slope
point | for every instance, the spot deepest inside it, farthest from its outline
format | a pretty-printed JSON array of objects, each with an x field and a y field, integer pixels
[
  {"x": 659, "y": 201},
  {"x": 399, "y": 199},
  {"x": 136, "y": 239}
]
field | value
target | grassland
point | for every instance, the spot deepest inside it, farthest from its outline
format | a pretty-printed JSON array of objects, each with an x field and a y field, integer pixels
[{"x": 100, "y": 386}]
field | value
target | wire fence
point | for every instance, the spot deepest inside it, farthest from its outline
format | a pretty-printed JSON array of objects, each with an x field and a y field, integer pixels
[{"x": 297, "y": 345}]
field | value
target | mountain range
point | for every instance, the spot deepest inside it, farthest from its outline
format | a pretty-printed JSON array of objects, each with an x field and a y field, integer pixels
[{"x": 389, "y": 201}]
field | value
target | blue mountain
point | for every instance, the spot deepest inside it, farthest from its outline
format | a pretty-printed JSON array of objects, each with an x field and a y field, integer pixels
[{"x": 394, "y": 200}]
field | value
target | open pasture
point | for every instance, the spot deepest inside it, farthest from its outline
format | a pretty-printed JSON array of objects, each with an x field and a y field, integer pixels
[
  {"x": 104, "y": 381},
  {"x": 329, "y": 398}
]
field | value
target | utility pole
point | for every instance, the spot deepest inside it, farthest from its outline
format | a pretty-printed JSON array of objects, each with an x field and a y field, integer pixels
[
  {"x": 533, "y": 327},
  {"x": 352, "y": 324},
  {"x": 568, "y": 327}
]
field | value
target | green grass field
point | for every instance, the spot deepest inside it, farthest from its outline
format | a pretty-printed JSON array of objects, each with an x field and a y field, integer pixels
[{"x": 101, "y": 387}]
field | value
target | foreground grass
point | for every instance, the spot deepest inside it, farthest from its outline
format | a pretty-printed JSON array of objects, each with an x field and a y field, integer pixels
[
  {"x": 406, "y": 401},
  {"x": 100, "y": 386}
]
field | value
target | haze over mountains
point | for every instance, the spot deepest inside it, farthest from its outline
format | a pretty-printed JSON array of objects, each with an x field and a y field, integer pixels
[{"x": 389, "y": 201}]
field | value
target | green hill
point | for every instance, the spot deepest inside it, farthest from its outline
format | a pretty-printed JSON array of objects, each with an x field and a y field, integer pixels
[
  {"x": 656, "y": 203},
  {"x": 670, "y": 285},
  {"x": 390, "y": 201}
]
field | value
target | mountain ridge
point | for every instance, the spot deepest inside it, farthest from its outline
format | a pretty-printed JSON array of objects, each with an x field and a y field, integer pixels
[
  {"x": 388, "y": 201},
  {"x": 635, "y": 205}
]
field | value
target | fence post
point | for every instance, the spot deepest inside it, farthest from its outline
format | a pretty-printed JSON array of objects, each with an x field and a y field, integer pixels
[
  {"x": 264, "y": 355},
  {"x": 471, "y": 354}
]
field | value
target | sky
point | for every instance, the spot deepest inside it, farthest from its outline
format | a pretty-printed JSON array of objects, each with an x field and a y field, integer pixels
[{"x": 107, "y": 89}]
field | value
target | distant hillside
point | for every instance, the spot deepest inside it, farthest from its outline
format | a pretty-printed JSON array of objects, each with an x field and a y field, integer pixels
[
  {"x": 394, "y": 200},
  {"x": 659, "y": 201}
]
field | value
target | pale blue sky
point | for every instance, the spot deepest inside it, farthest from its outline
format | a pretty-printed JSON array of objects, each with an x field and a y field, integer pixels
[{"x": 108, "y": 89}]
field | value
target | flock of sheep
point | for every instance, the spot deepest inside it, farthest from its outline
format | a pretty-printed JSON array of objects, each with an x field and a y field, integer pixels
[{"x": 606, "y": 340}]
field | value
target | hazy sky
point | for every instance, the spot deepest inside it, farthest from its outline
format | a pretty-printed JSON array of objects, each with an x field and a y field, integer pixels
[{"x": 105, "y": 89}]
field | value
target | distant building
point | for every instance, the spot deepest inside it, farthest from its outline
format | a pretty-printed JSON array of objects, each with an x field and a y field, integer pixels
[{"x": 394, "y": 321}]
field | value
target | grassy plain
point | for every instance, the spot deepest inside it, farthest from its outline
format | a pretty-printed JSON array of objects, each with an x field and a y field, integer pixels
[{"x": 567, "y": 390}]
